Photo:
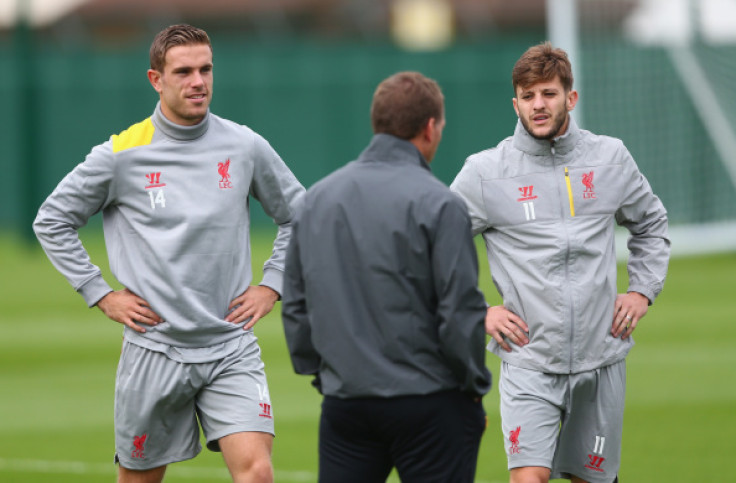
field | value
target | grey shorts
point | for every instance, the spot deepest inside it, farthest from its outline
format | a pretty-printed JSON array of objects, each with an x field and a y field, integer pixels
[
  {"x": 158, "y": 402},
  {"x": 570, "y": 423}
]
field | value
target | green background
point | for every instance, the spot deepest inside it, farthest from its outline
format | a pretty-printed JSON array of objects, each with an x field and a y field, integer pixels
[
  {"x": 58, "y": 360},
  {"x": 311, "y": 101}
]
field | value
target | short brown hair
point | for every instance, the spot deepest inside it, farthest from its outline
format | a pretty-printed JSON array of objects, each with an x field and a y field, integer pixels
[
  {"x": 542, "y": 63},
  {"x": 173, "y": 36},
  {"x": 404, "y": 103}
]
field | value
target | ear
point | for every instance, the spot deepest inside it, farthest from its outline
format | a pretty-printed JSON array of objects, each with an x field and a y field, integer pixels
[
  {"x": 516, "y": 105},
  {"x": 572, "y": 99},
  {"x": 154, "y": 77},
  {"x": 429, "y": 129}
]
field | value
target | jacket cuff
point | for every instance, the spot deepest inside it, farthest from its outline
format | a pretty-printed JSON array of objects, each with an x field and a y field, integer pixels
[
  {"x": 273, "y": 279},
  {"x": 94, "y": 290},
  {"x": 645, "y": 291}
]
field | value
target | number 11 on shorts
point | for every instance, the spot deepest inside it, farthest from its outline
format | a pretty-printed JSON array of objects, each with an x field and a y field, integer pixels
[{"x": 600, "y": 442}]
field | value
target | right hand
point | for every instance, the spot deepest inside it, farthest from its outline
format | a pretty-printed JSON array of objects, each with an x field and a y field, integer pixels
[
  {"x": 127, "y": 308},
  {"x": 501, "y": 322}
]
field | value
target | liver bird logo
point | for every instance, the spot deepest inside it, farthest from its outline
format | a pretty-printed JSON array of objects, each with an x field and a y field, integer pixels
[
  {"x": 514, "y": 438},
  {"x": 222, "y": 169},
  {"x": 138, "y": 442},
  {"x": 588, "y": 181}
]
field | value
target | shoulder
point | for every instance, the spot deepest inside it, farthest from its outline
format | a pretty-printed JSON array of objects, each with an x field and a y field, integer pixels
[
  {"x": 492, "y": 155},
  {"x": 139, "y": 134},
  {"x": 243, "y": 136},
  {"x": 602, "y": 142},
  {"x": 220, "y": 124},
  {"x": 487, "y": 163}
]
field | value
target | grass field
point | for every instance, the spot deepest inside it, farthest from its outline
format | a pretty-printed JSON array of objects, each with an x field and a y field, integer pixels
[{"x": 58, "y": 361}]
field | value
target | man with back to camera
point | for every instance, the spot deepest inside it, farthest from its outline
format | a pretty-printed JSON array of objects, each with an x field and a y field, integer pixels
[
  {"x": 381, "y": 304},
  {"x": 173, "y": 191},
  {"x": 546, "y": 201}
]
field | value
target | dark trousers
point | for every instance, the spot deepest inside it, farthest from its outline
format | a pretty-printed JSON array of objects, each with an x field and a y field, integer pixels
[{"x": 432, "y": 438}]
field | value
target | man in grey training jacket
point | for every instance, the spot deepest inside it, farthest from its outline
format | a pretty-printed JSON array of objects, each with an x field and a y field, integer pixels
[
  {"x": 546, "y": 201},
  {"x": 380, "y": 304},
  {"x": 174, "y": 191}
]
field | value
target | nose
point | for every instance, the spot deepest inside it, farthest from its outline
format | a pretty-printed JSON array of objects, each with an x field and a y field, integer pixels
[
  {"x": 538, "y": 102},
  {"x": 197, "y": 79}
]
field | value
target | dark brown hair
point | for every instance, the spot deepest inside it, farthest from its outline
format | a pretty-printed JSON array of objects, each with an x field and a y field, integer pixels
[
  {"x": 404, "y": 103},
  {"x": 173, "y": 36},
  {"x": 542, "y": 63}
]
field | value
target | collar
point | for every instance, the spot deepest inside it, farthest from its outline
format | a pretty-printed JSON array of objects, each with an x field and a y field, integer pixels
[
  {"x": 541, "y": 147},
  {"x": 177, "y": 131},
  {"x": 390, "y": 149}
]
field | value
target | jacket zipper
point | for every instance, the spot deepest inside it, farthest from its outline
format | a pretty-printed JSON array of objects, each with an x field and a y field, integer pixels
[
  {"x": 567, "y": 267},
  {"x": 569, "y": 193}
]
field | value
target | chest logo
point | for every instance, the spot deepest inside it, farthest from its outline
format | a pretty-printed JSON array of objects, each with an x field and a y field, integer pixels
[
  {"x": 154, "y": 181},
  {"x": 155, "y": 196},
  {"x": 588, "y": 183},
  {"x": 527, "y": 194},
  {"x": 223, "y": 169}
]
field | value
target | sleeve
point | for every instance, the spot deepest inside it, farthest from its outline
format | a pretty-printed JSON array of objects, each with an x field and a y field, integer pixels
[
  {"x": 461, "y": 307},
  {"x": 81, "y": 194},
  {"x": 280, "y": 194},
  {"x": 467, "y": 185},
  {"x": 644, "y": 216},
  {"x": 294, "y": 312}
]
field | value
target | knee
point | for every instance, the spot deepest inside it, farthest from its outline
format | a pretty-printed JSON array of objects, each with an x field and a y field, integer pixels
[
  {"x": 530, "y": 474},
  {"x": 257, "y": 471},
  {"x": 262, "y": 471}
]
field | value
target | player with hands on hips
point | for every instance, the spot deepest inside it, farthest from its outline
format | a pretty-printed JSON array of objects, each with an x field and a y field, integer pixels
[
  {"x": 174, "y": 194},
  {"x": 546, "y": 201}
]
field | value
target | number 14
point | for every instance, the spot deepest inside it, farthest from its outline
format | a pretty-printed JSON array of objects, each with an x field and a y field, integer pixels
[{"x": 157, "y": 199}]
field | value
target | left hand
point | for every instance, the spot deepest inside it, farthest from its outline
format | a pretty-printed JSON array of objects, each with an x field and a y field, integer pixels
[
  {"x": 627, "y": 311},
  {"x": 256, "y": 302}
]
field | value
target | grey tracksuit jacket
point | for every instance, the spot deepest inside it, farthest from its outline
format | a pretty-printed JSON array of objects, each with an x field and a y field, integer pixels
[
  {"x": 380, "y": 291},
  {"x": 174, "y": 201},
  {"x": 547, "y": 211}
]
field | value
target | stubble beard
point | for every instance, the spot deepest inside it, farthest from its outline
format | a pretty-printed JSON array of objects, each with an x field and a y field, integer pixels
[{"x": 559, "y": 121}]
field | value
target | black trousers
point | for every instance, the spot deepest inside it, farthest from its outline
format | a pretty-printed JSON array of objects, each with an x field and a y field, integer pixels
[{"x": 431, "y": 438}]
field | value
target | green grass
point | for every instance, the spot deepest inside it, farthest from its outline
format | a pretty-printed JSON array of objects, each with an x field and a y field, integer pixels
[{"x": 58, "y": 360}]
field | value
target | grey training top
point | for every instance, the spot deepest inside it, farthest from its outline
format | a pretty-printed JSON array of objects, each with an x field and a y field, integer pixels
[
  {"x": 174, "y": 201},
  {"x": 547, "y": 211},
  {"x": 380, "y": 293}
]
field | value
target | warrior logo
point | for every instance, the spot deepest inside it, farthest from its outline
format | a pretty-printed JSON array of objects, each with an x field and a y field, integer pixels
[
  {"x": 265, "y": 410},
  {"x": 588, "y": 183},
  {"x": 154, "y": 180},
  {"x": 527, "y": 193},
  {"x": 595, "y": 460},
  {"x": 222, "y": 169},
  {"x": 138, "y": 442},
  {"x": 514, "y": 438}
]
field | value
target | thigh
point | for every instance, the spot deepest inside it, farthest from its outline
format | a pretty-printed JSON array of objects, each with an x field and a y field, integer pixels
[
  {"x": 590, "y": 436},
  {"x": 236, "y": 397},
  {"x": 351, "y": 447},
  {"x": 436, "y": 437},
  {"x": 532, "y": 405},
  {"x": 155, "y": 419}
]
